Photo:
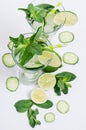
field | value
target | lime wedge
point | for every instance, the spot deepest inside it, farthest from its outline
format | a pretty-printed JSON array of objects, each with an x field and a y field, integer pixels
[
  {"x": 33, "y": 63},
  {"x": 55, "y": 60}
]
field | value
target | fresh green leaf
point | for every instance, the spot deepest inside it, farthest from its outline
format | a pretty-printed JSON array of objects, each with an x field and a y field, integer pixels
[
  {"x": 68, "y": 85},
  {"x": 65, "y": 90},
  {"x": 34, "y": 12},
  {"x": 32, "y": 122},
  {"x": 46, "y": 105},
  {"x": 25, "y": 56},
  {"x": 66, "y": 76},
  {"x": 18, "y": 49},
  {"x": 36, "y": 36},
  {"x": 35, "y": 48},
  {"x": 21, "y": 37},
  {"x": 23, "y": 105},
  {"x": 27, "y": 12},
  {"x": 14, "y": 40},
  {"x": 57, "y": 90},
  {"x": 37, "y": 13},
  {"x": 38, "y": 122},
  {"x": 48, "y": 7},
  {"x": 32, "y": 117},
  {"x": 60, "y": 84}
]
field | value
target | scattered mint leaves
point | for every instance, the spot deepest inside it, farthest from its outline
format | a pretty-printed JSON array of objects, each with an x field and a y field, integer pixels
[
  {"x": 62, "y": 83},
  {"x": 26, "y": 106}
]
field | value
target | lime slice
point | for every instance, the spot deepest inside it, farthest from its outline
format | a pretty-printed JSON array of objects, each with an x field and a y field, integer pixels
[
  {"x": 70, "y": 18},
  {"x": 55, "y": 60},
  {"x": 33, "y": 63},
  {"x": 47, "y": 81},
  {"x": 38, "y": 96}
]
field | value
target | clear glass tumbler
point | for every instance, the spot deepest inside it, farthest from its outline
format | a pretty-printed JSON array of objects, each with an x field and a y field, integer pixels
[
  {"x": 49, "y": 27},
  {"x": 27, "y": 76}
]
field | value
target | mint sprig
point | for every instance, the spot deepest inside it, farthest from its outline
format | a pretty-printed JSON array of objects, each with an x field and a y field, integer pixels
[
  {"x": 37, "y": 13},
  {"x": 63, "y": 82},
  {"x": 26, "y": 106},
  {"x": 27, "y": 47}
]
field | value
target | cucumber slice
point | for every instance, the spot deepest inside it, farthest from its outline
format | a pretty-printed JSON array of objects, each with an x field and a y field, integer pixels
[
  {"x": 49, "y": 117},
  {"x": 33, "y": 63},
  {"x": 10, "y": 45},
  {"x": 62, "y": 106},
  {"x": 69, "y": 17},
  {"x": 7, "y": 60},
  {"x": 70, "y": 58},
  {"x": 12, "y": 83},
  {"x": 66, "y": 37}
]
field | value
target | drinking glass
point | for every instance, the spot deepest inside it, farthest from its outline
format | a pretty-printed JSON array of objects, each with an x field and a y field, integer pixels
[
  {"x": 49, "y": 29},
  {"x": 27, "y": 76}
]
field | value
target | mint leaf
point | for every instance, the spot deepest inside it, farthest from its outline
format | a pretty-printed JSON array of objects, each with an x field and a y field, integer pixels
[
  {"x": 23, "y": 105},
  {"x": 25, "y": 56},
  {"x": 36, "y": 13},
  {"x": 27, "y": 12},
  {"x": 32, "y": 122},
  {"x": 35, "y": 48},
  {"x": 60, "y": 84},
  {"x": 66, "y": 76},
  {"x": 57, "y": 90},
  {"x": 65, "y": 90},
  {"x": 48, "y": 7},
  {"x": 46, "y": 105},
  {"x": 32, "y": 117},
  {"x": 35, "y": 37},
  {"x": 68, "y": 85}
]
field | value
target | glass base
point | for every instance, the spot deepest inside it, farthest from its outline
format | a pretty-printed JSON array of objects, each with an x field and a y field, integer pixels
[{"x": 26, "y": 77}]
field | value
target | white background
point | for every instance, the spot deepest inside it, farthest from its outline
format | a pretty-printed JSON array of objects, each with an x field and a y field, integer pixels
[{"x": 12, "y": 23}]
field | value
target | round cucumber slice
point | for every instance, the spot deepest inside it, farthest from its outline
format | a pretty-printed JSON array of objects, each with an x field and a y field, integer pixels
[
  {"x": 70, "y": 58},
  {"x": 10, "y": 45},
  {"x": 12, "y": 83},
  {"x": 62, "y": 106},
  {"x": 69, "y": 17},
  {"x": 66, "y": 37},
  {"x": 7, "y": 60},
  {"x": 49, "y": 117}
]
